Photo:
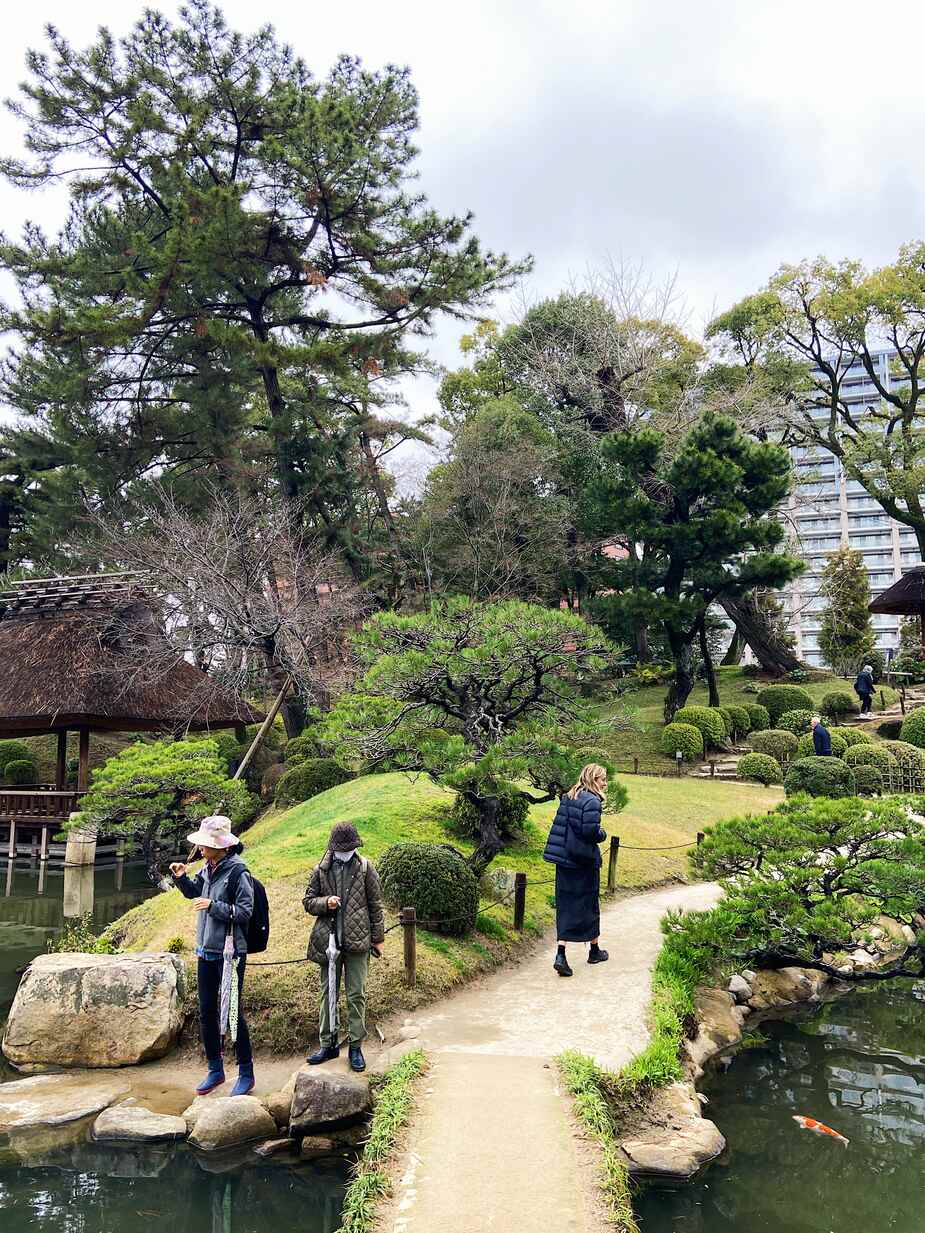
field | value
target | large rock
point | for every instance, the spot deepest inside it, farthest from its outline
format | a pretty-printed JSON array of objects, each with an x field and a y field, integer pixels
[
  {"x": 46, "y": 1113},
  {"x": 328, "y": 1101},
  {"x": 133, "y": 1124},
  {"x": 676, "y": 1152},
  {"x": 95, "y": 1010},
  {"x": 786, "y": 987},
  {"x": 228, "y": 1121},
  {"x": 279, "y": 1103}
]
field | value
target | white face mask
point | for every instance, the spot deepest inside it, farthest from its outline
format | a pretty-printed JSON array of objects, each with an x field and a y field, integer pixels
[{"x": 345, "y": 856}]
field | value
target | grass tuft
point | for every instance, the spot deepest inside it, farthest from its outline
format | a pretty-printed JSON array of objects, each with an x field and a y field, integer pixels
[{"x": 371, "y": 1182}]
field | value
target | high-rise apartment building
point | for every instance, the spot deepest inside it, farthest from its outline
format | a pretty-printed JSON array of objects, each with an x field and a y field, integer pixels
[{"x": 828, "y": 511}]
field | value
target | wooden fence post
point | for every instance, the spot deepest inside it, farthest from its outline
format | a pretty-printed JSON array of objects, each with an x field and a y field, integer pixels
[
  {"x": 612, "y": 862},
  {"x": 520, "y": 900},
  {"x": 636, "y": 764},
  {"x": 700, "y": 838},
  {"x": 409, "y": 930},
  {"x": 712, "y": 768}
]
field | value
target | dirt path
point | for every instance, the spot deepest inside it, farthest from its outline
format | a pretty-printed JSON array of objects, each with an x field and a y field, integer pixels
[{"x": 491, "y": 1147}]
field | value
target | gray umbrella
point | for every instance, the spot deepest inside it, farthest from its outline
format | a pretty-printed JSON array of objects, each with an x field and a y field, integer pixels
[{"x": 332, "y": 953}]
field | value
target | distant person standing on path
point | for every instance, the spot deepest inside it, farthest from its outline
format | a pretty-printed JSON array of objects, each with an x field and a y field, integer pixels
[
  {"x": 223, "y": 895},
  {"x": 573, "y": 848},
  {"x": 345, "y": 895},
  {"x": 864, "y": 688},
  {"x": 822, "y": 738}
]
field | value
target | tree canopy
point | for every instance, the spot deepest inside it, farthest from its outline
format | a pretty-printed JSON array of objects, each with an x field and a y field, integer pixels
[{"x": 846, "y": 634}]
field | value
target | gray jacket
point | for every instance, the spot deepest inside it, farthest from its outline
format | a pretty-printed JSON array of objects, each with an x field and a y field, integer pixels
[{"x": 212, "y": 925}]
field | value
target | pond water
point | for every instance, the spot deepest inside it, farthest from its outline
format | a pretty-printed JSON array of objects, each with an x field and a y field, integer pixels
[
  {"x": 97, "y": 1188},
  {"x": 858, "y": 1065}
]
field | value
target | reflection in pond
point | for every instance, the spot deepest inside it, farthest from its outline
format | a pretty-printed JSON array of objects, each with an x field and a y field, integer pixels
[{"x": 859, "y": 1066}]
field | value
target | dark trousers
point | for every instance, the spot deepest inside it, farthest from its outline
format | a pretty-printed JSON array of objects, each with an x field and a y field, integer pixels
[
  {"x": 866, "y": 700},
  {"x": 209, "y": 974}
]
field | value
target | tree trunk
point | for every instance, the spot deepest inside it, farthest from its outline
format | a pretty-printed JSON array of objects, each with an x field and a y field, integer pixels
[
  {"x": 733, "y": 656},
  {"x": 708, "y": 669},
  {"x": 771, "y": 651},
  {"x": 643, "y": 654},
  {"x": 490, "y": 838},
  {"x": 680, "y": 688}
]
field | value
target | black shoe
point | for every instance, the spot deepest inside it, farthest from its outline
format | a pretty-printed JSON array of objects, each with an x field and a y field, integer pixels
[
  {"x": 357, "y": 1060},
  {"x": 598, "y": 956},
  {"x": 561, "y": 966},
  {"x": 327, "y": 1053}
]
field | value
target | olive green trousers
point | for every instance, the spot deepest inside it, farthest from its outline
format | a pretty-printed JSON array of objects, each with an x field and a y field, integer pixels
[{"x": 354, "y": 970}]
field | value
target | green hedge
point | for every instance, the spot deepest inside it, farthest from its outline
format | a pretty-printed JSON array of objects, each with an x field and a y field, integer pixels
[
  {"x": 307, "y": 779},
  {"x": 740, "y": 721},
  {"x": 868, "y": 781},
  {"x": 796, "y": 722},
  {"x": 839, "y": 702},
  {"x": 853, "y": 736},
  {"x": 830, "y": 777},
  {"x": 761, "y": 767},
  {"x": 871, "y": 755},
  {"x": 778, "y": 699},
  {"x": 776, "y": 742},
  {"x": 913, "y": 729},
  {"x": 911, "y": 763},
  {"x": 710, "y": 723},
  {"x": 433, "y": 880},
  {"x": 685, "y": 737},
  {"x": 21, "y": 770},
  {"x": 758, "y": 716},
  {"x": 806, "y": 748},
  {"x": 14, "y": 751}
]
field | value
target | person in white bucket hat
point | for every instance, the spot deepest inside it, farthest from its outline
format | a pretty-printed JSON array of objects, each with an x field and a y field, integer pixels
[{"x": 223, "y": 895}]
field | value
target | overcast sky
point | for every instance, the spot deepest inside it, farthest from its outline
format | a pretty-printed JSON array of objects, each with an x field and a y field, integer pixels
[{"x": 715, "y": 139}]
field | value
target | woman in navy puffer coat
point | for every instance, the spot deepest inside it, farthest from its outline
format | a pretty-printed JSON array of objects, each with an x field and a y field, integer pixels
[{"x": 573, "y": 848}]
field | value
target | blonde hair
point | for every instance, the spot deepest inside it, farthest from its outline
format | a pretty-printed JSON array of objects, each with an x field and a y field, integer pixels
[{"x": 593, "y": 778}]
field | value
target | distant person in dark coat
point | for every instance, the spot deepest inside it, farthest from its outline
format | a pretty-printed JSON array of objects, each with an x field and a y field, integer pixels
[
  {"x": 573, "y": 848},
  {"x": 822, "y": 738},
  {"x": 864, "y": 688}
]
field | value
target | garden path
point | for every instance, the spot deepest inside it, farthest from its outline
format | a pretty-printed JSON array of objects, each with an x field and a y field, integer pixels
[{"x": 491, "y": 1146}]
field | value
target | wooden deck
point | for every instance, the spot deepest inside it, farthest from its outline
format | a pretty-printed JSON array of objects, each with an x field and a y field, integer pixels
[{"x": 31, "y": 817}]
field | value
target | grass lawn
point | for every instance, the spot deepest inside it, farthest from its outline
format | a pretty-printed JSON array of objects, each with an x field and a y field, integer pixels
[{"x": 283, "y": 846}]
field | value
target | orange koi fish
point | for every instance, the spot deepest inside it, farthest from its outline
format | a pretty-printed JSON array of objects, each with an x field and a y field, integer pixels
[{"x": 818, "y": 1128}]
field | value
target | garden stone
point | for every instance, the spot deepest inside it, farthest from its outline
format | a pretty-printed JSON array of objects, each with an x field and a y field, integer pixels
[
  {"x": 749, "y": 975},
  {"x": 133, "y": 1124},
  {"x": 677, "y": 1151},
  {"x": 314, "y": 1146},
  {"x": 279, "y": 1104},
  {"x": 740, "y": 989},
  {"x": 388, "y": 1057},
  {"x": 229, "y": 1121},
  {"x": 786, "y": 987},
  {"x": 79, "y": 1010},
  {"x": 57, "y": 1100},
  {"x": 328, "y": 1101},
  {"x": 909, "y": 935},
  {"x": 272, "y": 1147}
]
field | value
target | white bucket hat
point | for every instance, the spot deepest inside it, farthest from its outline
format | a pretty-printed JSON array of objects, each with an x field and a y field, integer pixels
[{"x": 214, "y": 832}]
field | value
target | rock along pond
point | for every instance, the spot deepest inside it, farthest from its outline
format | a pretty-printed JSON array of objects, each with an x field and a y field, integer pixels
[
  {"x": 105, "y": 1188},
  {"x": 857, "y": 1065}
]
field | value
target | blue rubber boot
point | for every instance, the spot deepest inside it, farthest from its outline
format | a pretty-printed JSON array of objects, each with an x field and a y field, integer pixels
[
  {"x": 215, "y": 1078},
  {"x": 245, "y": 1081}
]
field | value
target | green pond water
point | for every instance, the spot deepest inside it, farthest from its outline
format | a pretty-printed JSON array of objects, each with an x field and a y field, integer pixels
[
  {"x": 97, "y": 1188},
  {"x": 858, "y": 1065}
]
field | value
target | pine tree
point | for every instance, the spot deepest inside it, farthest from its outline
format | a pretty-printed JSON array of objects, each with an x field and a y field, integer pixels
[{"x": 846, "y": 637}]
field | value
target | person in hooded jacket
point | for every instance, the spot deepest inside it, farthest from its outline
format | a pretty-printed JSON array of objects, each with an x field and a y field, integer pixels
[
  {"x": 864, "y": 688},
  {"x": 573, "y": 847}
]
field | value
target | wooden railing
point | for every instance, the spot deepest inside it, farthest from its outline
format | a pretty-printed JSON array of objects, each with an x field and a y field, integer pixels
[{"x": 26, "y": 804}]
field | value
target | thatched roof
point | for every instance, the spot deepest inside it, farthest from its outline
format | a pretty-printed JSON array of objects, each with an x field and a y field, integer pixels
[
  {"x": 64, "y": 663},
  {"x": 906, "y": 597}
]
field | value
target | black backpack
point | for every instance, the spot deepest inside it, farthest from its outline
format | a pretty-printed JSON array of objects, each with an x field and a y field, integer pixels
[{"x": 258, "y": 927}]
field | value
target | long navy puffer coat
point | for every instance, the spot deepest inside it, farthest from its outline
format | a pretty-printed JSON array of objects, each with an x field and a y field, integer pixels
[{"x": 581, "y": 817}]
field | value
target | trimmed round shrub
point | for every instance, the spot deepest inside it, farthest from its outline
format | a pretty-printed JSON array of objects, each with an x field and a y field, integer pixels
[
  {"x": 727, "y": 718},
  {"x": 511, "y": 817},
  {"x": 685, "y": 737},
  {"x": 21, "y": 770},
  {"x": 433, "y": 880},
  {"x": 839, "y": 702},
  {"x": 740, "y": 722},
  {"x": 782, "y": 698},
  {"x": 711, "y": 724},
  {"x": 820, "y": 777},
  {"x": 306, "y": 779},
  {"x": 796, "y": 722},
  {"x": 300, "y": 748},
  {"x": 868, "y": 781},
  {"x": 806, "y": 748},
  {"x": 14, "y": 751},
  {"x": 776, "y": 742},
  {"x": 761, "y": 767},
  {"x": 853, "y": 736},
  {"x": 890, "y": 729},
  {"x": 758, "y": 716},
  {"x": 913, "y": 729},
  {"x": 911, "y": 763},
  {"x": 872, "y": 755}
]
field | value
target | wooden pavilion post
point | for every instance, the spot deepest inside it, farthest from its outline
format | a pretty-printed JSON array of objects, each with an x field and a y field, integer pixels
[
  {"x": 61, "y": 761},
  {"x": 83, "y": 765},
  {"x": 922, "y": 629}
]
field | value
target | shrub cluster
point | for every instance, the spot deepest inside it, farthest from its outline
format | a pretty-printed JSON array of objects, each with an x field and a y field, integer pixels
[
  {"x": 830, "y": 777},
  {"x": 685, "y": 737},
  {"x": 868, "y": 781},
  {"x": 796, "y": 722},
  {"x": 871, "y": 755},
  {"x": 806, "y": 748},
  {"x": 839, "y": 702},
  {"x": 739, "y": 721},
  {"x": 21, "y": 770},
  {"x": 761, "y": 767},
  {"x": 913, "y": 729},
  {"x": 778, "y": 743},
  {"x": 778, "y": 699},
  {"x": 307, "y": 779},
  {"x": 709, "y": 722},
  {"x": 14, "y": 751},
  {"x": 853, "y": 736},
  {"x": 433, "y": 880},
  {"x": 758, "y": 716},
  {"x": 511, "y": 817}
]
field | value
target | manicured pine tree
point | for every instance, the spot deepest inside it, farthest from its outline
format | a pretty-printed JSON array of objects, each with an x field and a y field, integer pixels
[{"x": 846, "y": 636}]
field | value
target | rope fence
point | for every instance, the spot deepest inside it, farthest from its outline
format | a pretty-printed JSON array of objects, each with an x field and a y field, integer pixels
[{"x": 409, "y": 923}]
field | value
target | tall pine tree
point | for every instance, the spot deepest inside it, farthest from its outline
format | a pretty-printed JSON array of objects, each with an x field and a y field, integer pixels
[{"x": 846, "y": 635}]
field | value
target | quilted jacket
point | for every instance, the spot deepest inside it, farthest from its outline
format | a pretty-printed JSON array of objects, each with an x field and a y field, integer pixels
[
  {"x": 576, "y": 832},
  {"x": 360, "y": 920}
]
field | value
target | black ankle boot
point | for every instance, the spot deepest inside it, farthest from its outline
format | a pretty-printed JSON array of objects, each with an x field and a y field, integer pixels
[
  {"x": 357, "y": 1060},
  {"x": 327, "y": 1053},
  {"x": 561, "y": 964},
  {"x": 596, "y": 955}
]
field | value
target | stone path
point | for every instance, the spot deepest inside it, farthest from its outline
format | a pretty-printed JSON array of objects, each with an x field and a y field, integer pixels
[{"x": 491, "y": 1147}]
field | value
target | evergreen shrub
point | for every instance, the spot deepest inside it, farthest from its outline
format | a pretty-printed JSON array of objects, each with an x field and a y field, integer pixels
[
  {"x": 21, "y": 770},
  {"x": 14, "y": 751},
  {"x": 685, "y": 737},
  {"x": 853, "y": 736},
  {"x": 433, "y": 880},
  {"x": 777, "y": 742},
  {"x": 778, "y": 699},
  {"x": 913, "y": 729},
  {"x": 741, "y": 723},
  {"x": 306, "y": 779},
  {"x": 796, "y": 722},
  {"x": 831, "y": 777},
  {"x": 839, "y": 702},
  {"x": 761, "y": 767},
  {"x": 868, "y": 781},
  {"x": 711, "y": 724},
  {"x": 871, "y": 755},
  {"x": 758, "y": 716}
]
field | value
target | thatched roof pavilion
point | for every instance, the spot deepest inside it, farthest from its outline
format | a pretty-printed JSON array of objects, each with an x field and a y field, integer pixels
[
  {"x": 72, "y": 659},
  {"x": 906, "y": 597}
]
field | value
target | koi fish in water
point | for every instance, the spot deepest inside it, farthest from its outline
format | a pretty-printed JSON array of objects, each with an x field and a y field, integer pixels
[{"x": 818, "y": 1128}]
